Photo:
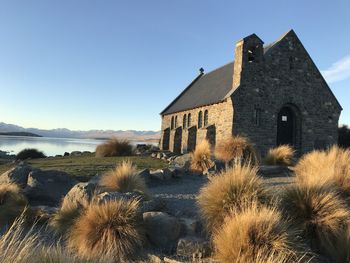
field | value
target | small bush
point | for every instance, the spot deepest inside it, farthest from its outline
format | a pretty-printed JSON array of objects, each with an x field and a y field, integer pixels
[
  {"x": 30, "y": 154},
  {"x": 231, "y": 191},
  {"x": 255, "y": 235},
  {"x": 12, "y": 203},
  {"x": 114, "y": 147},
  {"x": 201, "y": 157},
  {"x": 113, "y": 228},
  {"x": 344, "y": 136},
  {"x": 330, "y": 167},
  {"x": 236, "y": 148},
  {"x": 280, "y": 155},
  {"x": 124, "y": 178},
  {"x": 319, "y": 212}
]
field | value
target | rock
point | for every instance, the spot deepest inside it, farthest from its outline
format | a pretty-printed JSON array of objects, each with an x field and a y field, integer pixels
[
  {"x": 153, "y": 259},
  {"x": 274, "y": 170},
  {"x": 154, "y": 205},
  {"x": 182, "y": 161},
  {"x": 177, "y": 172},
  {"x": 18, "y": 175},
  {"x": 58, "y": 155},
  {"x": 162, "y": 230},
  {"x": 159, "y": 155},
  {"x": 112, "y": 196},
  {"x": 145, "y": 173},
  {"x": 66, "y": 154},
  {"x": 80, "y": 195},
  {"x": 95, "y": 179},
  {"x": 48, "y": 187},
  {"x": 216, "y": 168},
  {"x": 76, "y": 153},
  {"x": 161, "y": 174},
  {"x": 41, "y": 214},
  {"x": 193, "y": 247},
  {"x": 191, "y": 226},
  {"x": 154, "y": 155},
  {"x": 169, "y": 260}
]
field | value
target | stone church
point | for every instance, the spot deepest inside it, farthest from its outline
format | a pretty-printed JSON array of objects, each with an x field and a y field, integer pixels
[{"x": 273, "y": 94}]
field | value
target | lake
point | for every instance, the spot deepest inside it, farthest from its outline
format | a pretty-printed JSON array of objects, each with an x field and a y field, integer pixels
[{"x": 50, "y": 146}]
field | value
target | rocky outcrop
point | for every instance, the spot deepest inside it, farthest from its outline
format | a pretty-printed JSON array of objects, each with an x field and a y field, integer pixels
[
  {"x": 17, "y": 175},
  {"x": 48, "y": 187}
]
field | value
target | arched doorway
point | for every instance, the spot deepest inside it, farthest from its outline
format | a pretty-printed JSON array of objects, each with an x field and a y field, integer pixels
[
  {"x": 177, "y": 140},
  {"x": 287, "y": 126},
  {"x": 166, "y": 139}
]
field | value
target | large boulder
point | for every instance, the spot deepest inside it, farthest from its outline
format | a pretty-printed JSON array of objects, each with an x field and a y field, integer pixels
[
  {"x": 113, "y": 196},
  {"x": 80, "y": 195},
  {"x": 18, "y": 175},
  {"x": 182, "y": 161},
  {"x": 48, "y": 187},
  {"x": 162, "y": 230},
  {"x": 161, "y": 174},
  {"x": 193, "y": 248}
]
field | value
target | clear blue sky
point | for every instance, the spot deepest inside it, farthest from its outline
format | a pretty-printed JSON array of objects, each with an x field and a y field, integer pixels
[{"x": 88, "y": 64}]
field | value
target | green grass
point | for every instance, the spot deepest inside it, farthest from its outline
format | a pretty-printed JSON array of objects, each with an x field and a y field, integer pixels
[{"x": 84, "y": 167}]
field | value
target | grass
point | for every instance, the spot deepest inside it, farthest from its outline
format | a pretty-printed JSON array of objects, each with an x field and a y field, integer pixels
[
  {"x": 114, "y": 147},
  {"x": 84, "y": 167},
  {"x": 231, "y": 191},
  {"x": 319, "y": 213},
  {"x": 280, "y": 155},
  {"x": 12, "y": 203},
  {"x": 255, "y": 235},
  {"x": 201, "y": 157},
  {"x": 124, "y": 178},
  {"x": 236, "y": 148},
  {"x": 113, "y": 228}
]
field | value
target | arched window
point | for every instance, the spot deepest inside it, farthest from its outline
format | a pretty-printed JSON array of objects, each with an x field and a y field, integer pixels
[
  {"x": 184, "y": 121},
  {"x": 200, "y": 119},
  {"x": 206, "y": 118},
  {"x": 175, "y": 122},
  {"x": 252, "y": 54},
  {"x": 172, "y": 123},
  {"x": 189, "y": 120}
]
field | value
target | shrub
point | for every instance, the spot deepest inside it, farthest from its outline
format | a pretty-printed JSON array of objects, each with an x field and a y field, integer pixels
[
  {"x": 255, "y": 235},
  {"x": 30, "y": 154},
  {"x": 236, "y": 148},
  {"x": 320, "y": 214},
  {"x": 12, "y": 203},
  {"x": 280, "y": 155},
  {"x": 64, "y": 218},
  {"x": 326, "y": 167},
  {"x": 344, "y": 136},
  {"x": 201, "y": 157},
  {"x": 114, "y": 147},
  {"x": 124, "y": 178},
  {"x": 232, "y": 190},
  {"x": 113, "y": 228}
]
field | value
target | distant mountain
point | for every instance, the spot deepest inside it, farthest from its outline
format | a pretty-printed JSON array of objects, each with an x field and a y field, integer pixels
[
  {"x": 29, "y": 134},
  {"x": 91, "y": 134}
]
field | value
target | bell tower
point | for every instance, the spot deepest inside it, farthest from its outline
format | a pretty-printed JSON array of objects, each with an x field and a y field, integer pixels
[{"x": 249, "y": 55}]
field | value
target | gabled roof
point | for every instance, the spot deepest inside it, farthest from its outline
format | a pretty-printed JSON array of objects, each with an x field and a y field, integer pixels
[{"x": 212, "y": 87}]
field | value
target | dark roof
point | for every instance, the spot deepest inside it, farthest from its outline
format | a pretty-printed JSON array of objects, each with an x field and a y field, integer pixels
[{"x": 209, "y": 88}]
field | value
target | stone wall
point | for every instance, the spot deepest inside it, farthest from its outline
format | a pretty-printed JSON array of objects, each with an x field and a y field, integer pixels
[
  {"x": 219, "y": 126},
  {"x": 286, "y": 76}
]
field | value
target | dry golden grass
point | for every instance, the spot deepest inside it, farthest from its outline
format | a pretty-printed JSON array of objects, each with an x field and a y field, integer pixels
[
  {"x": 255, "y": 235},
  {"x": 319, "y": 212},
  {"x": 113, "y": 228},
  {"x": 232, "y": 190},
  {"x": 280, "y": 155},
  {"x": 124, "y": 178},
  {"x": 331, "y": 167},
  {"x": 64, "y": 218},
  {"x": 236, "y": 148},
  {"x": 201, "y": 157},
  {"x": 12, "y": 203},
  {"x": 114, "y": 147}
]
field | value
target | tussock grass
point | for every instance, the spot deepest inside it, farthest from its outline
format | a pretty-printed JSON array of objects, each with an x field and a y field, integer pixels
[
  {"x": 12, "y": 203},
  {"x": 231, "y": 191},
  {"x": 114, "y": 147},
  {"x": 124, "y": 178},
  {"x": 201, "y": 157},
  {"x": 236, "y": 148},
  {"x": 113, "y": 228},
  {"x": 319, "y": 212},
  {"x": 330, "y": 167},
  {"x": 30, "y": 154},
  {"x": 255, "y": 235},
  {"x": 280, "y": 155}
]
